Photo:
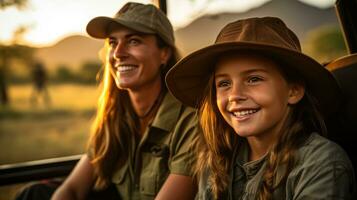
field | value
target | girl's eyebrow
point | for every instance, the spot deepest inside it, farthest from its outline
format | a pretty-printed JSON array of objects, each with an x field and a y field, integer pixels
[
  {"x": 218, "y": 75},
  {"x": 254, "y": 70}
]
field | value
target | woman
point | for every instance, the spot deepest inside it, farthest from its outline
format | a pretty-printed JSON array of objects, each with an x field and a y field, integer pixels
[
  {"x": 141, "y": 136},
  {"x": 262, "y": 105}
]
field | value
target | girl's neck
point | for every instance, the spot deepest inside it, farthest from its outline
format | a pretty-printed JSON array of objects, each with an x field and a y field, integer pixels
[{"x": 258, "y": 147}]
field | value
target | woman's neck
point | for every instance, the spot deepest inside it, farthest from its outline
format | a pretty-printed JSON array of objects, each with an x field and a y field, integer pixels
[
  {"x": 145, "y": 104},
  {"x": 142, "y": 99}
]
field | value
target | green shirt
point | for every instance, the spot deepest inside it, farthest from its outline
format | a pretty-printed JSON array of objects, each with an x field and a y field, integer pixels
[
  {"x": 322, "y": 171},
  {"x": 165, "y": 148}
]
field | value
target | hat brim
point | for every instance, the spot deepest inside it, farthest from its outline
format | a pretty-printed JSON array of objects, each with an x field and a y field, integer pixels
[
  {"x": 189, "y": 77},
  {"x": 98, "y": 27}
]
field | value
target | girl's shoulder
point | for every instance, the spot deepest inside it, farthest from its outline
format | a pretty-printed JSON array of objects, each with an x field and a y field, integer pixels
[
  {"x": 318, "y": 150},
  {"x": 321, "y": 165}
]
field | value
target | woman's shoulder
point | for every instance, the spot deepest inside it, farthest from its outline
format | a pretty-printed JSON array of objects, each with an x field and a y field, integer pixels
[{"x": 185, "y": 111}]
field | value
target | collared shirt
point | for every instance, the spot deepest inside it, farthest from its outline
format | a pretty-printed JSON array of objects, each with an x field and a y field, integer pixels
[
  {"x": 165, "y": 148},
  {"x": 322, "y": 171}
]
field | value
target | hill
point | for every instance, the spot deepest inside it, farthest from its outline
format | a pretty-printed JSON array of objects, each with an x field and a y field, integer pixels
[
  {"x": 71, "y": 51},
  {"x": 301, "y": 18}
]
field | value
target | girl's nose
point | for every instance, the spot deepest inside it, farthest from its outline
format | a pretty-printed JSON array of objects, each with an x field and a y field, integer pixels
[{"x": 237, "y": 94}]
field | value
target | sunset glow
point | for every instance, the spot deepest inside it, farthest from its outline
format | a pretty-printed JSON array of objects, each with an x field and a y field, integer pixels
[{"x": 50, "y": 21}]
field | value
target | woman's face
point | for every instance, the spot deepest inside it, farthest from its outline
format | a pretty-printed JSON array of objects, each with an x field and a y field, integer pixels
[
  {"x": 252, "y": 95},
  {"x": 135, "y": 59}
]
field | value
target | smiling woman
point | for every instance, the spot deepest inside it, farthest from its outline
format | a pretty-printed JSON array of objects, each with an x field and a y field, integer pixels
[{"x": 141, "y": 139}]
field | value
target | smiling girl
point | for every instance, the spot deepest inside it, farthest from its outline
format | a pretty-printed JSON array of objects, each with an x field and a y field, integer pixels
[{"x": 262, "y": 105}]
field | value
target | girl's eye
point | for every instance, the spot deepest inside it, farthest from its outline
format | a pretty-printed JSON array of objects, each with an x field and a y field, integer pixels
[
  {"x": 254, "y": 79},
  {"x": 223, "y": 83}
]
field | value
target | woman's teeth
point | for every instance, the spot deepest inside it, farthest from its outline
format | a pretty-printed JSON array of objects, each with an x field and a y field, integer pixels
[{"x": 125, "y": 68}]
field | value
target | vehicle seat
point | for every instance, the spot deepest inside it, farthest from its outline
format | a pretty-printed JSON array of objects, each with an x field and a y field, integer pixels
[{"x": 344, "y": 126}]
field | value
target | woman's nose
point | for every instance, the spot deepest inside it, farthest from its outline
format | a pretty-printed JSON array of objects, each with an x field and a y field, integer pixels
[{"x": 120, "y": 51}]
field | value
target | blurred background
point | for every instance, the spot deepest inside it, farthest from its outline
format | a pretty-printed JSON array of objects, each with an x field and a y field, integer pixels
[{"x": 50, "y": 68}]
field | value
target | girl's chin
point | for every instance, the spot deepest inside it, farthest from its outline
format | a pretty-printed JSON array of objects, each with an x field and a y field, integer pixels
[{"x": 243, "y": 133}]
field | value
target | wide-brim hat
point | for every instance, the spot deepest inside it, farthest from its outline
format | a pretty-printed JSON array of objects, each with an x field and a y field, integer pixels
[
  {"x": 268, "y": 36},
  {"x": 144, "y": 18}
]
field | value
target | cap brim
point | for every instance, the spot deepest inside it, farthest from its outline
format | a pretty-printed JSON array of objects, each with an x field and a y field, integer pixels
[
  {"x": 189, "y": 77},
  {"x": 98, "y": 27}
]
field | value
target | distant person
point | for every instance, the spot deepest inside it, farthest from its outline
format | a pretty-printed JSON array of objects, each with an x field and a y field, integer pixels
[
  {"x": 142, "y": 137},
  {"x": 39, "y": 78},
  {"x": 262, "y": 105}
]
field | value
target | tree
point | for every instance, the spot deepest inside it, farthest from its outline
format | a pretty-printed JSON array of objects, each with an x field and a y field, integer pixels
[
  {"x": 325, "y": 44},
  {"x": 89, "y": 71},
  {"x": 8, "y": 52},
  {"x": 20, "y": 4},
  {"x": 64, "y": 74}
]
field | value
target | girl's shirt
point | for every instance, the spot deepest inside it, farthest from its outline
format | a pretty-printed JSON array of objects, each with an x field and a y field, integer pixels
[{"x": 322, "y": 171}]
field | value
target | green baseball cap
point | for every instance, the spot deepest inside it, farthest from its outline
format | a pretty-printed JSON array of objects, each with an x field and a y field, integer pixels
[{"x": 139, "y": 17}]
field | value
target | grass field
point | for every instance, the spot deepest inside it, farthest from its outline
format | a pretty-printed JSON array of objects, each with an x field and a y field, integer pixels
[{"x": 37, "y": 131}]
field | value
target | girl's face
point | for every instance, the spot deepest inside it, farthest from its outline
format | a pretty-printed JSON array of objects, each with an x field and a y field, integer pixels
[
  {"x": 135, "y": 59},
  {"x": 252, "y": 95}
]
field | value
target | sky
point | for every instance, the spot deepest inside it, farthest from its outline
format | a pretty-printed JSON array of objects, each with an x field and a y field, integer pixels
[{"x": 49, "y": 21}]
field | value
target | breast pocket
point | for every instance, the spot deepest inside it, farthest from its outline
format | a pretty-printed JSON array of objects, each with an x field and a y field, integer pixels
[
  {"x": 155, "y": 168},
  {"x": 119, "y": 176}
]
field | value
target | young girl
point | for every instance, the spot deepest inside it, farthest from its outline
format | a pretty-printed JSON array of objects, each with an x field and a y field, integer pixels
[{"x": 262, "y": 105}]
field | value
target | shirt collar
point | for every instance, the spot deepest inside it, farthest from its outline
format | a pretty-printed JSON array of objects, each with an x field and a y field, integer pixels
[{"x": 168, "y": 113}]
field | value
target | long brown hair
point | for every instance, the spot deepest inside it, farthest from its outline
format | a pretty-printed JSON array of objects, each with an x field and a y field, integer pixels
[
  {"x": 109, "y": 142},
  {"x": 217, "y": 143}
]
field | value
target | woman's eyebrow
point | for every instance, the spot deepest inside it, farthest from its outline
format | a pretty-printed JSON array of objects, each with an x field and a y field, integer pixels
[
  {"x": 128, "y": 35},
  {"x": 134, "y": 34}
]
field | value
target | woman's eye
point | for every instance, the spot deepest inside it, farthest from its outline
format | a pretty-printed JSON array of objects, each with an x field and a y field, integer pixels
[
  {"x": 112, "y": 43},
  {"x": 134, "y": 41}
]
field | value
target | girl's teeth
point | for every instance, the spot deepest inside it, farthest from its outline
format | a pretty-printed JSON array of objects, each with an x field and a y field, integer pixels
[{"x": 243, "y": 113}]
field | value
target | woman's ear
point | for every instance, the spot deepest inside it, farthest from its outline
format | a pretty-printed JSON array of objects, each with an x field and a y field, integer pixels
[
  {"x": 165, "y": 55},
  {"x": 296, "y": 93}
]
